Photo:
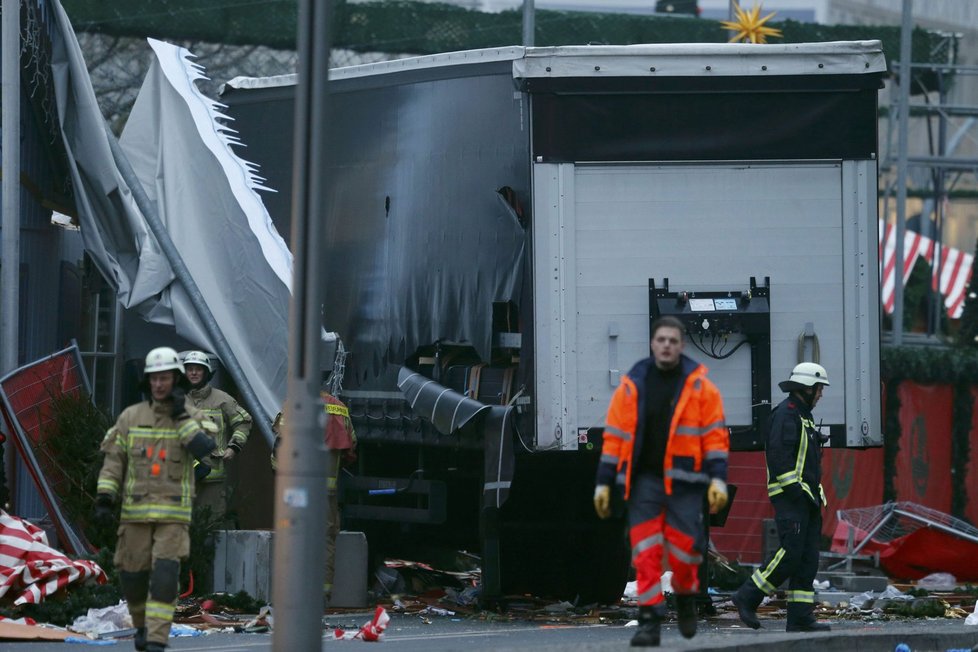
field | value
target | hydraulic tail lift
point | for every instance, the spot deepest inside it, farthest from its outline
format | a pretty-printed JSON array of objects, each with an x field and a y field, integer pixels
[{"x": 718, "y": 323}]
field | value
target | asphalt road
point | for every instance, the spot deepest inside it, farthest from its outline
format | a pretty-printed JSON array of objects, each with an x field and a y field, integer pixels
[{"x": 412, "y": 634}]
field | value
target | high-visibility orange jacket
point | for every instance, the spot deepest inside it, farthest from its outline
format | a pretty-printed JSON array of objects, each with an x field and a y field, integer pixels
[{"x": 699, "y": 442}]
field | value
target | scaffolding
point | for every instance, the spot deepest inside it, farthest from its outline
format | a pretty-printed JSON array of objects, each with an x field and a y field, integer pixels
[{"x": 949, "y": 127}]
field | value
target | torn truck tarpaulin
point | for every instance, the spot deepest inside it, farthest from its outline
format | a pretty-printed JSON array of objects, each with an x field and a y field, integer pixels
[
  {"x": 386, "y": 300},
  {"x": 446, "y": 409},
  {"x": 500, "y": 459}
]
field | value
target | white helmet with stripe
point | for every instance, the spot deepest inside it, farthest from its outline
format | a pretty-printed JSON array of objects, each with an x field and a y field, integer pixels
[
  {"x": 805, "y": 374},
  {"x": 198, "y": 357},
  {"x": 162, "y": 358}
]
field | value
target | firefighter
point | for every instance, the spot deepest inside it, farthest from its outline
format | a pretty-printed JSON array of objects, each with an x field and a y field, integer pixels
[
  {"x": 665, "y": 444},
  {"x": 341, "y": 444},
  {"x": 233, "y": 427},
  {"x": 793, "y": 448},
  {"x": 149, "y": 465}
]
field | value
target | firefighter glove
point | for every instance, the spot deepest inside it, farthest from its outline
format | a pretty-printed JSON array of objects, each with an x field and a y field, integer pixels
[
  {"x": 602, "y": 500},
  {"x": 716, "y": 495},
  {"x": 201, "y": 446},
  {"x": 201, "y": 470},
  {"x": 104, "y": 513},
  {"x": 179, "y": 410}
]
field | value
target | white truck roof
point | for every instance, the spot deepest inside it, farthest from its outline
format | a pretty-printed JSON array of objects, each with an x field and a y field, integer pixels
[{"x": 643, "y": 60}]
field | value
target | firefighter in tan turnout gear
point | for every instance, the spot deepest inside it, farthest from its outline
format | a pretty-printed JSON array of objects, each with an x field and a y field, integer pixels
[
  {"x": 149, "y": 466},
  {"x": 233, "y": 427},
  {"x": 793, "y": 448}
]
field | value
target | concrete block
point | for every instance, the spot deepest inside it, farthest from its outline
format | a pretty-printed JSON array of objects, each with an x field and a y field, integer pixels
[
  {"x": 243, "y": 562},
  {"x": 350, "y": 578}
]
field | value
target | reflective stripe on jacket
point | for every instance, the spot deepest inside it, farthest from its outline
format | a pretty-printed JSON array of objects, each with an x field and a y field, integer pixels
[
  {"x": 339, "y": 434},
  {"x": 146, "y": 463},
  {"x": 699, "y": 442},
  {"x": 233, "y": 424},
  {"x": 339, "y": 427}
]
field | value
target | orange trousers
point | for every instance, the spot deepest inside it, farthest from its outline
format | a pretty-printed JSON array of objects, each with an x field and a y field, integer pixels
[{"x": 666, "y": 531}]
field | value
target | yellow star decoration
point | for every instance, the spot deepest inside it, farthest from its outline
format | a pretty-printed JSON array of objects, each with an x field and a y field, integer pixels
[{"x": 749, "y": 25}]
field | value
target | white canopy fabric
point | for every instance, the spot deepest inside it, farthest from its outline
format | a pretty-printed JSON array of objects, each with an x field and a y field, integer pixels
[{"x": 206, "y": 197}]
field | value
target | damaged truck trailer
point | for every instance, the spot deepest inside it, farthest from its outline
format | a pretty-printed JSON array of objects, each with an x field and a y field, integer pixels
[{"x": 504, "y": 225}]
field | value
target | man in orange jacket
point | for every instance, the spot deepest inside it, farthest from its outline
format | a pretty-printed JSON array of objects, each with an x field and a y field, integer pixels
[{"x": 665, "y": 444}]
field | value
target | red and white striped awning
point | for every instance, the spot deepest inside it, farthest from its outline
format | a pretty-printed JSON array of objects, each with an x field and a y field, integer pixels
[
  {"x": 31, "y": 570},
  {"x": 955, "y": 268}
]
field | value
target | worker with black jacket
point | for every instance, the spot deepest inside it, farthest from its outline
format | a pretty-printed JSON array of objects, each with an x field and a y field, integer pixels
[{"x": 793, "y": 448}]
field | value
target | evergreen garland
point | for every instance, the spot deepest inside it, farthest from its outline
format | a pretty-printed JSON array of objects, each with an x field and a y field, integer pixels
[{"x": 411, "y": 26}]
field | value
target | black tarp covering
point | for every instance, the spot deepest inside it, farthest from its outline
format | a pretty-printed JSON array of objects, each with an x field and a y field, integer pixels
[
  {"x": 417, "y": 243},
  {"x": 425, "y": 280}
]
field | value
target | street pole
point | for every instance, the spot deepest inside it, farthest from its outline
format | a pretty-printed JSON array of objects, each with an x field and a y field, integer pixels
[
  {"x": 529, "y": 23},
  {"x": 301, "y": 508},
  {"x": 10, "y": 252},
  {"x": 906, "y": 31}
]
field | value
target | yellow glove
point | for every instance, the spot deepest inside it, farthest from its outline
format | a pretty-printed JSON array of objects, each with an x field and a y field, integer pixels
[
  {"x": 602, "y": 500},
  {"x": 716, "y": 495}
]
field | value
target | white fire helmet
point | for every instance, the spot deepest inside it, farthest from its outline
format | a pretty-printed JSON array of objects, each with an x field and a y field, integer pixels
[
  {"x": 198, "y": 357},
  {"x": 162, "y": 359},
  {"x": 807, "y": 374}
]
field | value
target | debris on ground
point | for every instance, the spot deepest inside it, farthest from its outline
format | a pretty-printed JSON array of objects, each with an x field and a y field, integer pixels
[
  {"x": 972, "y": 619},
  {"x": 103, "y": 621},
  {"x": 17, "y": 630},
  {"x": 371, "y": 631},
  {"x": 911, "y": 541},
  {"x": 411, "y": 588}
]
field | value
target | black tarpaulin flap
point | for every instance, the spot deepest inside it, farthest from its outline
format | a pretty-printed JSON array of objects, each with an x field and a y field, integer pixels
[
  {"x": 445, "y": 408},
  {"x": 500, "y": 459},
  {"x": 450, "y": 411}
]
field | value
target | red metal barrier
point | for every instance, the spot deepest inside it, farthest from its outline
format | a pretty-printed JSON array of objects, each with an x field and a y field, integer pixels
[
  {"x": 26, "y": 395},
  {"x": 740, "y": 538}
]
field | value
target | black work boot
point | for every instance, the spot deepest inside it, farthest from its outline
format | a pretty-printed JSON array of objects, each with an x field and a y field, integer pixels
[
  {"x": 140, "y": 639},
  {"x": 801, "y": 618},
  {"x": 155, "y": 647},
  {"x": 649, "y": 626},
  {"x": 686, "y": 611},
  {"x": 747, "y": 598}
]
